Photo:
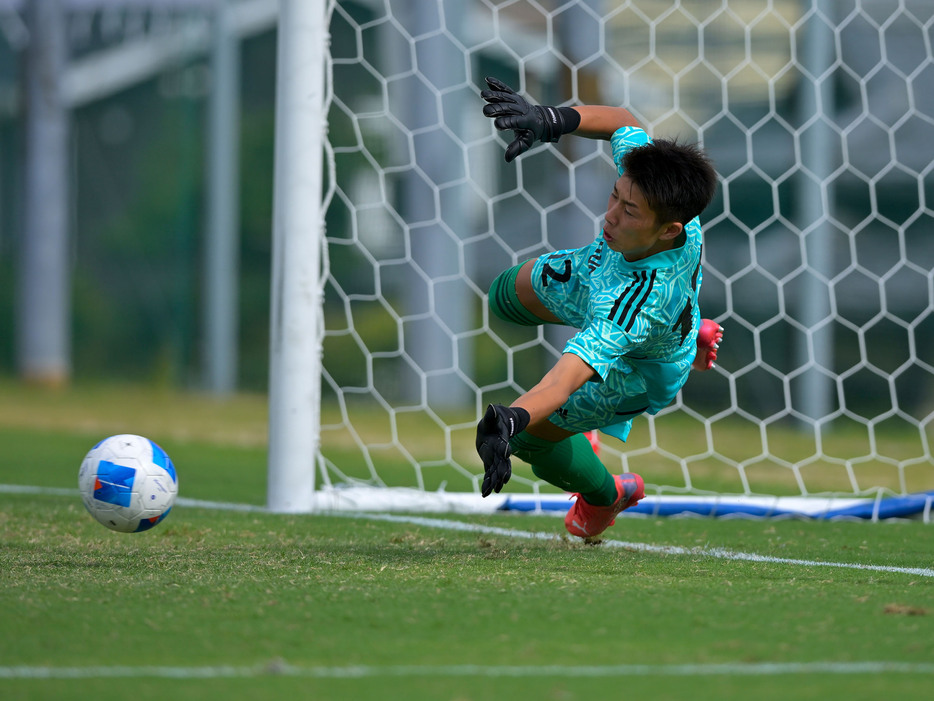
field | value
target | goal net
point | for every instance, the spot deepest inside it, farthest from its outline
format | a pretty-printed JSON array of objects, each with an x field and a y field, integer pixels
[{"x": 818, "y": 252}]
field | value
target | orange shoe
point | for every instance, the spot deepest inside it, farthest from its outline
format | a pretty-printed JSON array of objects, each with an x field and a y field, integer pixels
[
  {"x": 586, "y": 520},
  {"x": 708, "y": 343}
]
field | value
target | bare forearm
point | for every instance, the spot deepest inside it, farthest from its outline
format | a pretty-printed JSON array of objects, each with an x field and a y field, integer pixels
[
  {"x": 566, "y": 377},
  {"x": 541, "y": 401},
  {"x": 600, "y": 121}
]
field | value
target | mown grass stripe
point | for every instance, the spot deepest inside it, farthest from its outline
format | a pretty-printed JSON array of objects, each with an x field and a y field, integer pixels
[{"x": 279, "y": 668}]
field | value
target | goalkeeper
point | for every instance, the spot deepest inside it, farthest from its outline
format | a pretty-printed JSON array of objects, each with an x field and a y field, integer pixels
[{"x": 632, "y": 293}]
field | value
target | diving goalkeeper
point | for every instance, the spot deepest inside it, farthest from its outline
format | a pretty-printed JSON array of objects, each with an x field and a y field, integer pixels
[{"x": 632, "y": 293}]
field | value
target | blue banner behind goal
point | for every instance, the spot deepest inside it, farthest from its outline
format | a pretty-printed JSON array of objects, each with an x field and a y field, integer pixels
[{"x": 914, "y": 506}]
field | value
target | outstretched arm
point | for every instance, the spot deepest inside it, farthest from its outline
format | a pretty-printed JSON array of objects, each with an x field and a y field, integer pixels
[
  {"x": 566, "y": 377},
  {"x": 500, "y": 423},
  {"x": 529, "y": 122},
  {"x": 600, "y": 121}
]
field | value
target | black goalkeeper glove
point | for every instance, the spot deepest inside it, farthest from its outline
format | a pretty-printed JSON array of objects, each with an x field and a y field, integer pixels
[
  {"x": 529, "y": 122},
  {"x": 498, "y": 425}
]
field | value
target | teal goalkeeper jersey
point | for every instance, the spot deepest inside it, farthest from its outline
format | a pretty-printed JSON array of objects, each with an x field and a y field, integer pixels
[{"x": 638, "y": 320}]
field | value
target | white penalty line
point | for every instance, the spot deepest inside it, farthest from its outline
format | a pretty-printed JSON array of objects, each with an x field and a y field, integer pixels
[
  {"x": 445, "y": 524},
  {"x": 279, "y": 668}
]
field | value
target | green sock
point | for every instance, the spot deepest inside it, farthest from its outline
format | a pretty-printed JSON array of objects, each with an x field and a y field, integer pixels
[{"x": 570, "y": 464}]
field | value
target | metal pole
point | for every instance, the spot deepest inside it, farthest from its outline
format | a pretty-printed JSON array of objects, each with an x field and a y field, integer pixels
[
  {"x": 221, "y": 255},
  {"x": 432, "y": 345},
  {"x": 297, "y": 326},
  {"x": 44, "y": 303},
  {"x": 816, "y": 349}
]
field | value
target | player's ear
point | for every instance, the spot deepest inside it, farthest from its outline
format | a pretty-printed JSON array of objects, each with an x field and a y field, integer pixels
[{"x": 672, "y": 231}]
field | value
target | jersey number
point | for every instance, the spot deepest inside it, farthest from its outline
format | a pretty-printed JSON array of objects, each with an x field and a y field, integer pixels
[{"x": 549, "y": 272}]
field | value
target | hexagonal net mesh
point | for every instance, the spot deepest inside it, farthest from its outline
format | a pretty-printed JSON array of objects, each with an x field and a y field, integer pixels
[{"x": 818, "y": 247}]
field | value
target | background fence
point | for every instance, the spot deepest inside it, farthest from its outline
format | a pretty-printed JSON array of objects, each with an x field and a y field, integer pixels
[{"x": 818, "y": 257}]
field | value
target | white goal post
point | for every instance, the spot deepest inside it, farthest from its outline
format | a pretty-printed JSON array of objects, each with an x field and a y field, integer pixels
[
  {"x": 394, "y": 211},
  {"x": 296, "y": 322}
]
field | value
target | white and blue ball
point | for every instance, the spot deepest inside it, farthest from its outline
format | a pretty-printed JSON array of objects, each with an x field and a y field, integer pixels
[{"x": 128, "y": 483}]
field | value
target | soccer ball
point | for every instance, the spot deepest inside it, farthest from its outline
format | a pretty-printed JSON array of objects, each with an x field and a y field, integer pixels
[{"x": 128, "y": 483}]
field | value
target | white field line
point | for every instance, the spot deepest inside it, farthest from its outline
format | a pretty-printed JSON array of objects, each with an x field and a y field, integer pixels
[
  {"x": 280, "y": 668},
  {"x": 720, "y": 553},
  {"x": 445, "y": 524}
]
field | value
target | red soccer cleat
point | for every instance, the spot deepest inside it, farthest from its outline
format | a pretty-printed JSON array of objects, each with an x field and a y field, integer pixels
[
  {"x": 586, "y": 520},
  {"x": 708, "y": 343}
]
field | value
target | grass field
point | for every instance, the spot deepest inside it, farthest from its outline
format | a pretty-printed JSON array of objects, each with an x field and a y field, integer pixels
[{"x": 243, "y": 604}]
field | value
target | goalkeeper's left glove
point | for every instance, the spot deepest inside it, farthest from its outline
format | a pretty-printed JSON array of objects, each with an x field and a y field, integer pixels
[
  {"x": 498, "y": 425},
  {"x": 529, "y": 122}
]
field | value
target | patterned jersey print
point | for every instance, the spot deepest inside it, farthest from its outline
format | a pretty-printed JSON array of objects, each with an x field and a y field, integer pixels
[{"x": 638, "y": 320}]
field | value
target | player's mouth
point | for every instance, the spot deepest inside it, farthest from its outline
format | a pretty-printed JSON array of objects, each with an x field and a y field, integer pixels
[{"x": 607, "y": 237}]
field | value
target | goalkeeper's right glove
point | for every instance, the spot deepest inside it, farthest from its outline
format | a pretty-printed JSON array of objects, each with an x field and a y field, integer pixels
[
  {"x": 529, "y": 122},
  {"x": 498, "y": 425}
]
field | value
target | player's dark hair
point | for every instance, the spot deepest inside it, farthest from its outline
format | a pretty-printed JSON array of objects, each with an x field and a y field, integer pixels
[{"x": 677, "y": 180}]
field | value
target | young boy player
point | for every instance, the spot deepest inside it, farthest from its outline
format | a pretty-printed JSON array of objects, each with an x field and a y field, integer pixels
[{"x": 632, "y": 293}]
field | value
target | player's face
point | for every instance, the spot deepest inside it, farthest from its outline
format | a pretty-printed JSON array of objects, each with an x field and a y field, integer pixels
[{"x": 631, "y": 228}]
